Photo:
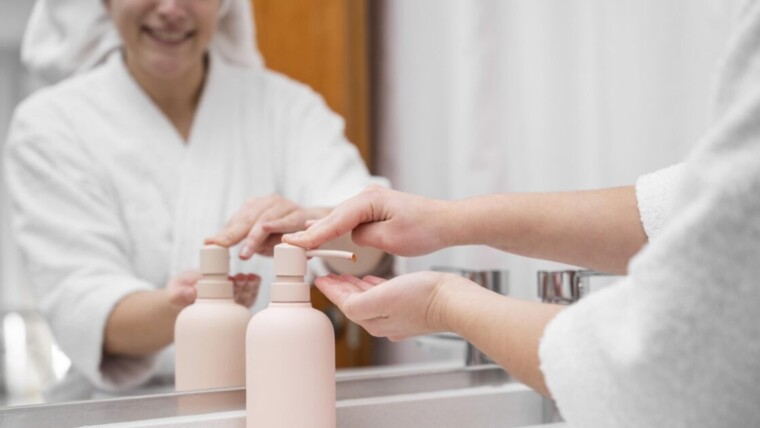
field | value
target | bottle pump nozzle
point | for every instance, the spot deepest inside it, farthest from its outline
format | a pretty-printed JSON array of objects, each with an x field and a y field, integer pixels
[
  {"x": 290, "y": 269},
  {"x": 215, "y": 265}
]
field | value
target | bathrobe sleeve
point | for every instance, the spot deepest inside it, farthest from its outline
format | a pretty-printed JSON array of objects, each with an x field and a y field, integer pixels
[
  {"x": 319, "y": 166},
  {"x": 72, "y": 240},
  {"x": 676, "y": 343},
  {"x": 654, "y": 191}
]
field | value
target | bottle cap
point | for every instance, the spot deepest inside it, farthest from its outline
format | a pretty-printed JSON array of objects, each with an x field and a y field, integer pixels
[
  {"x": 215, "y": 260},
  {"x": 290, "y": 260},
  {"x": 215, "y": 265}
]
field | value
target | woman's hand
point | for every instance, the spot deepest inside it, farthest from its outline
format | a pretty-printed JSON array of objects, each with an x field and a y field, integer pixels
[
  {"x": 181, "y": 289},
  {"x": 508, "y": 330},
  {"x": 404, "y": 306},
  {"x": 261, "y": 222},
  {"x": 246, "y": 288},
  {"x": 395, "y": 222}
]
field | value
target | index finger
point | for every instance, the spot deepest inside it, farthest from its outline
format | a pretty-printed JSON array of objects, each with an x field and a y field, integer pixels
[
  {"x": 360, "y": 209},
  {"x": 240, "y": 224}
]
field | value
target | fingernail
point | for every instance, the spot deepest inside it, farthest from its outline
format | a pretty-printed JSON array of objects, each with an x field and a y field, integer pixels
[
  {"x": 246, "y": 251},
  {"x": 293, "y": 236}
]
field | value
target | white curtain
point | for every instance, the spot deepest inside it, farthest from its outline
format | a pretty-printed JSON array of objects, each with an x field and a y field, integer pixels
[{"x": 494, "y": 96}]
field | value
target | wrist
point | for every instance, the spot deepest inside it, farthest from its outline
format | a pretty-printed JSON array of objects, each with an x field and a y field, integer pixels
[
  {"x": 497, "y": 220},
  {"x": 459, "y": 299},
  {"x": 451, "y": 292},
  {"x": 452, "y": 224}
]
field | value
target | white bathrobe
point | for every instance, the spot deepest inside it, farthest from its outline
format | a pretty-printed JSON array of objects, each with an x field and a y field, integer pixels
[
  {"x": 677, "y": 342},
  {"x": 109, "y": 200}
]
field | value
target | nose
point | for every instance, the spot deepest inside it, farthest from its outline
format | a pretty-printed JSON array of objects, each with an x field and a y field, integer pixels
[{"x": 170, "y": 10}]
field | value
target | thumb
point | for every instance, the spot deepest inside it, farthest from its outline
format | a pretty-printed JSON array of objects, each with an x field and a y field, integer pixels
[
  {"x": 182, "y": 296},
  {"x": 371, "y": 235}
]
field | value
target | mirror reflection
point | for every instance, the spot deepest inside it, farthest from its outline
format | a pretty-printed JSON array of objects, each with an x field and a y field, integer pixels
[{"x": 137, "y": 132}]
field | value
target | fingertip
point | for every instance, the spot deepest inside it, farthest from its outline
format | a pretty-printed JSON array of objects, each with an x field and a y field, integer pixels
[
  {"x": 246, "y": 251},
  {"x": 190, "y": 277},
  {"x": 188, "y": 295},
  {"x": 216, "y": 240},
  {"x": 296, "y": 238},
  {"x": 374, "y": 280},
  {"x": 327, "y": 279}
]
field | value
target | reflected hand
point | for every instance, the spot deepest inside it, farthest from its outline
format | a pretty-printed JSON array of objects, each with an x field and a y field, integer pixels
[
  {"x": 398, "y": 308},
  {"x": 181, "y": 289},
  {"x": 261, "y": 222},
  {"x": 246, "y": 288}
]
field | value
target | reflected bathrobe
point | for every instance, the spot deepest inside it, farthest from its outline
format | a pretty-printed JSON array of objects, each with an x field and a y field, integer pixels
[
  {"x": 109, "y": 200},
  {"x": 677, "y": 342}
]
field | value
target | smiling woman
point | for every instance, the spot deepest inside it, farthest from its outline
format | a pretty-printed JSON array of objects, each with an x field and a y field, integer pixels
[
  {"x": 165, "y": 127},
  {"x": 164, "y": 49},
  {"x": 166, "y": 40}
]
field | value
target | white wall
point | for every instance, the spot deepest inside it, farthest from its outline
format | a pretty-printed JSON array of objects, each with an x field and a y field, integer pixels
[{"x": 539, "y": 95}]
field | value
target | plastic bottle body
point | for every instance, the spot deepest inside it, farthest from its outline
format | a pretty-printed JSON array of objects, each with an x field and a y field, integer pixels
[
  {"x": 290, "y": 379},
  {"x": 209, "y": 338}
]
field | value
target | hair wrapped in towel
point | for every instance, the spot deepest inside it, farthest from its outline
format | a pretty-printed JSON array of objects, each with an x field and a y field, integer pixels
[{"x": 65, "y": 37}]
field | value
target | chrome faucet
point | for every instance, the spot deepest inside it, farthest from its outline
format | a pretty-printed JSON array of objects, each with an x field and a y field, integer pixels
[
  {"x": 565, "y": 286},
  {"x": 494, "y": 280}
]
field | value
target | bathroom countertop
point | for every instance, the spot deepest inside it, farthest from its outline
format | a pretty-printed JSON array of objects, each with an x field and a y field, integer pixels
[{"x": 439, "y": 394}]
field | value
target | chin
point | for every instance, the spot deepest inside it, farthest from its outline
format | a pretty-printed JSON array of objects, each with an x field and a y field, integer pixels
[{"x": 169, "y": 68}]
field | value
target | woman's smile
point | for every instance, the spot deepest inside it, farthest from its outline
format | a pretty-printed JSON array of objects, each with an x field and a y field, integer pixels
[{"x": 168, "y": 37}]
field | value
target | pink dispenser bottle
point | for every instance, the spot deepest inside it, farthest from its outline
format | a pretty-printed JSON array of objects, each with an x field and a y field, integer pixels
[
  {"x": 290, "y": 351},
  {"x": 209, "y": 335}
]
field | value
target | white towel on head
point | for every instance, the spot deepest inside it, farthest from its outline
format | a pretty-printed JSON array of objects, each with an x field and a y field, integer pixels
[{"x": 65, "y": 37}]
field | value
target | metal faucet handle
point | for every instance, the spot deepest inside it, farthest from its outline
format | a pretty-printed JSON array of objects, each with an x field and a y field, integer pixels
[
  {"x": 494, "y": 280},
  {"x": 564, "y": 286}
]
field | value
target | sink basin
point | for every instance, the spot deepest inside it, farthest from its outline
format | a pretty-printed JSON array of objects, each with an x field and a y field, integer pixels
[{"x": 482, "y": 396}]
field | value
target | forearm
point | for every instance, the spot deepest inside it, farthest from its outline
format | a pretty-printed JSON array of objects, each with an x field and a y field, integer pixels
[
  {"x": 508, "y": 330},
  {"x": 597, "y": 229},
  {"x": 140, "y": 324}
]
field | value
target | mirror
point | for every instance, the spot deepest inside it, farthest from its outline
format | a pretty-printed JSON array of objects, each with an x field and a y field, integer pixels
[
  {"x": 31, "y": 359},
  {"x": 458, "y": 100}
]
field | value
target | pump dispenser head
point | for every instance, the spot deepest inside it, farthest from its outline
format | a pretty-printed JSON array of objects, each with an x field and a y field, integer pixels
[
  {"x": 215, "y": 265},
  {"x": 290, "y": 268}
]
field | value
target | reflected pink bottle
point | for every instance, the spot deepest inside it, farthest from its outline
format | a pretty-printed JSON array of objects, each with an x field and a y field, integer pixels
[
  {"x": 290, "y": 351},
  {"x": 209, "y": 335}
]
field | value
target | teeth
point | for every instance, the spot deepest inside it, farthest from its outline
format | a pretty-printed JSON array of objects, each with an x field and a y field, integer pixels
[{"x": 169, "y": 37}]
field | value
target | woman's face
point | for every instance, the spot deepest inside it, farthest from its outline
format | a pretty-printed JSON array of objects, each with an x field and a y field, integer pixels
[{"x": 165, "y": 38}]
